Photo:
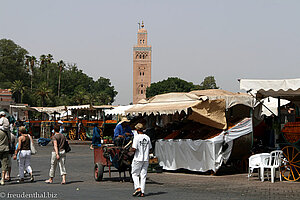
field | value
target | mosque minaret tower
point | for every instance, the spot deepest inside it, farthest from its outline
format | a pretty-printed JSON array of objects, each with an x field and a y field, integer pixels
[{"x": 142, "y": 54}]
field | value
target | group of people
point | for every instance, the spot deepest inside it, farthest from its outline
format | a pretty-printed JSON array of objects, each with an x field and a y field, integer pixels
[
  {"x": 8, "y": 144},
  {"x": 141, "y": 147},
  {"x": 22, "y": 148}
]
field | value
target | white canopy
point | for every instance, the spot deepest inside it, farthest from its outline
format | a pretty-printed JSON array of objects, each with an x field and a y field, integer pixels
[
  {"x": 274, "y": 88},
  {"x": 104, "y": 107},
  {"x": 79, "y": 107},
  {"x": 50, "y": 110},
  {"x": 119, "y": 110},
  {"x": 200, "y": 155},
  {"x": 21, "y": 107},
  {"x": 286, "y": 88}
]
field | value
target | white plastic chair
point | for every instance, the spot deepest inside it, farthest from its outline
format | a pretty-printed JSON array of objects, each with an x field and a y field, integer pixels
[
  {"x": 255, "y": 162},
  {"x": 272, "y": 162}
]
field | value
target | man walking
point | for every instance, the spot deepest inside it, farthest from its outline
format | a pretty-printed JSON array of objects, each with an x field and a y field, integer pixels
[
  {"x": 58, "y": 156},
  {"x": 141, "y": 146},
  {"x": 4, "y": 142}
]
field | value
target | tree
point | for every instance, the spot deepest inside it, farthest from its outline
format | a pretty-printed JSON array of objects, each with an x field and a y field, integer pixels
[
  {"x": 209, "y": 82},
  {"x": 18, "y": 89},
  {"x": 172, "y": 84},
  {"x": 50, "y": 83},
  {"x": 105, "y": 91},
  {"x": 12, "y": 66},
  {"x": 30, "y": 63},
  {"x": 43, "y": 92},
  {"x": 43, "y": 62},
  {"x": 61, "y": 66},
  {"x": 49, "y": 59},
  {"x": 79, "y": 96}
]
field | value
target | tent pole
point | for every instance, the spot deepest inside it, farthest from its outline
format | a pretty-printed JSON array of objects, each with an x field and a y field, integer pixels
[
  {"x": 252, "y": 135},
  {"x": 279, "y": 113},
  {"x": 261, "y": 103}
]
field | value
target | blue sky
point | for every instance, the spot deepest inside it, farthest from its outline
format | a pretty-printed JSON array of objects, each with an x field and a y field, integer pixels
[{"x": 190, "y": 39}]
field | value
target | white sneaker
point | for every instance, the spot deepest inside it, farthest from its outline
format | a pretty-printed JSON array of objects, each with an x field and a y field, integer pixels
[{"x": 2, "y": 182}]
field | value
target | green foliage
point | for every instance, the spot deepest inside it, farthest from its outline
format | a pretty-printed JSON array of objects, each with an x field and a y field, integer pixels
[
  {"x": 172, "y": 84},
  {"x": 18, "y": 90},
  {"x": 12, "y": 63},
  {"x": 209, "y": 83},
  {"x": 46, "y": 83},
  {"x": 175, "y": 84}
]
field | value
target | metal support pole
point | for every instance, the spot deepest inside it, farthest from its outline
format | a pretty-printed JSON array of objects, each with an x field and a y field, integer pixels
[
  {"x": 252, "y": 136},
  {"x": 279, "y": 113}
]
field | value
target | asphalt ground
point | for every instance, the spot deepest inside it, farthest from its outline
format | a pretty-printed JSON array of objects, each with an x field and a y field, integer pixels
[{"x": 166, "y": 185}]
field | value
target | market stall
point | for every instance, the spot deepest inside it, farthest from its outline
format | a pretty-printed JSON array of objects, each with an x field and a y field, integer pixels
[
  {"x": 200, "y": 124},
  {"x": 289, "y": 128}
]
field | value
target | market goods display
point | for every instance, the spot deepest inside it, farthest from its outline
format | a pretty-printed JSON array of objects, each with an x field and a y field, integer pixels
[{"x": 187, "y": 130}]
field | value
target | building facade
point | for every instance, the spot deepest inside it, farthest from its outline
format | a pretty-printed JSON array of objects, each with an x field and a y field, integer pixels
[
  {"x": 5, "y": 99},
  {"x": 142, "y": 54}
]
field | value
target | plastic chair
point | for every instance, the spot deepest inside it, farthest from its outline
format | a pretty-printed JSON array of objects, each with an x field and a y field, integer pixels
[
  {"x": 255, "y": 162},
  {"x": 272, "y": 162}
]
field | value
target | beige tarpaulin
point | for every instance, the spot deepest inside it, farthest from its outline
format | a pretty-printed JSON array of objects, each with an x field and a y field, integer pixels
[
  {"x": 208, "y": 106},
  {"x": 165, "y": 104},
  {"x": 210, "y": 112},
  {"x": 231, "y": 99}
]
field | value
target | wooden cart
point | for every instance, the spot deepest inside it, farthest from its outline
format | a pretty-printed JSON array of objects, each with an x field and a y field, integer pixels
[
  {"x": 104, "y": 157},
  {"x": 290, "y": 170}
]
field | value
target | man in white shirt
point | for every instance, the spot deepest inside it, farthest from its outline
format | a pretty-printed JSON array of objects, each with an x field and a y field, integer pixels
[
  {"x": 141, "y": 146},
  {"x": 4, "y": 123}
]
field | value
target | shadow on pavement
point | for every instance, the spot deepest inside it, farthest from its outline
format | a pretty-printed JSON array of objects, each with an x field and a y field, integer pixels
[
  {"x": 70, "y": 182},
  {"x": 154, "y": 193},
  {"x": 149, "y": 181}
]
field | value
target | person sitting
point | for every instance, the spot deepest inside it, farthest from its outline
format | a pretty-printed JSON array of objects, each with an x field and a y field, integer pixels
[
  {"x": 122, "y": 132},
  {"x": 96, "y": 139}
]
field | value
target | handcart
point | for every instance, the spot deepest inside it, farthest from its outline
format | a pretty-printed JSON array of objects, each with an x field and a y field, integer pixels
[{"x": 290, "y": 170}]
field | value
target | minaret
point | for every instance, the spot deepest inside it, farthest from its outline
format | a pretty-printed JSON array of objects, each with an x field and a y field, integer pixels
[{"x": 141, "y": 65}]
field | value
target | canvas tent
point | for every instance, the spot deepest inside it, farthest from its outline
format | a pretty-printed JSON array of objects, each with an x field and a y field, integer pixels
[{"x": 206, "y": 107}]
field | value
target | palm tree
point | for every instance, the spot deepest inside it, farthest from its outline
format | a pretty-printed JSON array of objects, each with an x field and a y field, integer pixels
[
  {"x": 30, "y": 62},
  {"x": 49, "y": 59},
  {"x": 61, "y": 66},
  {"x": 43, "y": 62},
  {"x": 43, "y": 91},
  {"x": 18, "y": 88}
]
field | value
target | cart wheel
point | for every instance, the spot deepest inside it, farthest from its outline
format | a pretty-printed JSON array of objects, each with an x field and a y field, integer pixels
[
  {"x": 72, "y": 134},
  {"x": 98, "y": 171},
  {"x": 83, "y": 134},
  {"x": 290, "y": 169}
]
